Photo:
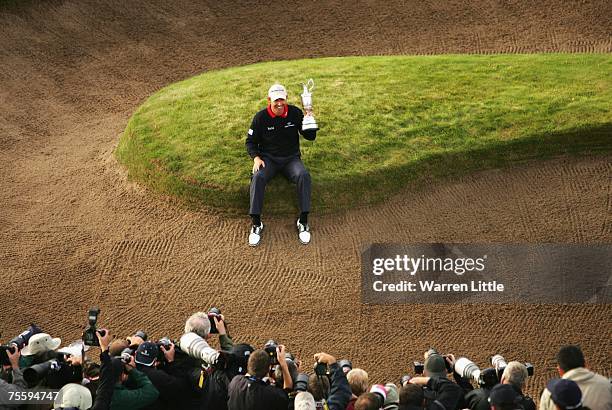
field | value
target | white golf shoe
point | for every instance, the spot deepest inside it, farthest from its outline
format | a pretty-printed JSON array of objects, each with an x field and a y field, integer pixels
[
  {"x": 303, "y": 233},
  {"x": 255, "y": 234}
]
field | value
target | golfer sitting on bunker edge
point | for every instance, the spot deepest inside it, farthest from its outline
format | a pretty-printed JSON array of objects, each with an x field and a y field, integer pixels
[{"x": 273, "y": 142}]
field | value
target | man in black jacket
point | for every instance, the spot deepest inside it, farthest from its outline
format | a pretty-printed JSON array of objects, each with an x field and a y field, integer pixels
[
  {"x": 440, "y": 393},
  {"x": 253, "y": 391},
  {"x": 172, "y": 388},
  {"x": 273, "y": 142},
  {"x": 515, "y": 374},
  {"x": 334, "y": 393}
]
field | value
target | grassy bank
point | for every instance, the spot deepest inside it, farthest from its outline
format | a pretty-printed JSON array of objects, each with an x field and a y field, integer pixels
[{"x": 385, "y": 122}]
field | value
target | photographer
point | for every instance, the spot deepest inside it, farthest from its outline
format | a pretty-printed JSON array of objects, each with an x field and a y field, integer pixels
[
  {"x": 140, "y": 396},
  {"x": 515, "y": 374},
  {"x": 172, "y": 389},
  {"x": 358, "y": 382},
  {"x": 18, "y": 383},
  {"x": 332, "y": 390},
  {"x": 440, "y": 393},
  {"x": 204, "y": 369},
  {"x": 197, "y": 332},
  {"x": 253, "y": 391},
  {"x": 411, "y": 397},
  {"x": 596, "y": 389},
  {"x": 50, "y": 368},
  {"x": 106, "y": 382}
]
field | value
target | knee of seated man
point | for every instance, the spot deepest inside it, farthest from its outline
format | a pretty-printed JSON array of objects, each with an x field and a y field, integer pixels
[
  {"x": 259, "y": 176},
  {"x": 303, "y": 174}
]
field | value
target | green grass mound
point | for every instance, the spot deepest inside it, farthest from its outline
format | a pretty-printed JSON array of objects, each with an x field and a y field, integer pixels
[{"x": 385, "y": 122}]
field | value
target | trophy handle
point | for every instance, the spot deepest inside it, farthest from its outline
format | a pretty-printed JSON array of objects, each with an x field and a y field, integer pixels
[{"x": 310, "y": 85}]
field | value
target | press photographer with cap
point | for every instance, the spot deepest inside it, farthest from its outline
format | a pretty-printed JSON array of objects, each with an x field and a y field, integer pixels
[
  {"x": 565, "y": 394},
  {"x": 596, "y": 389},
  {"x": 172, "y": 389},
  {"x": 447, "y": 395},
  {"x": 273, "y": 142}
]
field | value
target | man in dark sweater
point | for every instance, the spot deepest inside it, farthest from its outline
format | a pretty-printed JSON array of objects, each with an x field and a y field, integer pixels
[
  {"x": 253, "y": 391},
  {"x": 273, "y": 142}
]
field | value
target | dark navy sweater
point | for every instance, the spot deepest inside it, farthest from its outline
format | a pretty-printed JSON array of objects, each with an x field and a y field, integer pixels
[{"x": 277, "y": 135}]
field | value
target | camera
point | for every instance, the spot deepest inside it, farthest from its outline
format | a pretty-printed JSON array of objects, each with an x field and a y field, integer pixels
[
  {"x": 270, "y": 349},
  {"x": 301, "y": 382},
  {"x": 35, "y": 373},
  {"x": 419, "y": 368},
  {"x": 90, "y": 338},
  {"x": 499, "y": 363},
  {"x": 345, "y": 365},
  {"x": 321, "y": 369},
  {"x": 18, "y": 342},
  {"x": 467, "y": 369},
  {"x": 405, "y": 379},
  {"x": 141, "y": 334},
  {"x": 214, "y": 312},
  {"x": 126, "y": 355},
  {"x": 166, "y": 343}
]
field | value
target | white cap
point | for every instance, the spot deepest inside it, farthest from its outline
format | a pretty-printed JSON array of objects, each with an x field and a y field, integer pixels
[
  {"x": 73, "y": 395},
  {"x": 40, "y": 342},
  {"x": 277, "y": 91}
]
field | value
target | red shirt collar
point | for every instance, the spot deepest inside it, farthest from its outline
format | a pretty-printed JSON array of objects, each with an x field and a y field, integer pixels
[{"x": 284, "y": 114}]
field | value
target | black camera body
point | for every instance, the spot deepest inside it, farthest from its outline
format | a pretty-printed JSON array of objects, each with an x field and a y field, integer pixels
[
  {"x": 17, "y": 343},
  {"x": 126, "y": 355},
  {"x": 166, "y": 343},
  {"x": 270, "y": 349},
  {"x": 301, "y": 382},
  {"x": 419, "y": 368},
  {"x": 214, "y": 312},
  {"x": 345, "y": 365},
  {"x": 90, "y": 337},
  {"x": 34, "y": 374},
  {"x": 405, "y": 379},
  {"x": 321, "y": 369}
]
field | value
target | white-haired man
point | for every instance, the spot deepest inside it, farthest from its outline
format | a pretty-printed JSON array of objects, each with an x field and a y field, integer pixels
[{"x": 273, "y": 142}]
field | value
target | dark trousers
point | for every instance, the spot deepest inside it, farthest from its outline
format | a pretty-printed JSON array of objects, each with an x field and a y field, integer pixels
[{"x": 293, "y": 169}]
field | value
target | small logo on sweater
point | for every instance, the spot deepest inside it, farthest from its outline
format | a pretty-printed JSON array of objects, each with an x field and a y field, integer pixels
[
  {"x": 270, "y": 128},
  {"x": 289, "y": 124}
]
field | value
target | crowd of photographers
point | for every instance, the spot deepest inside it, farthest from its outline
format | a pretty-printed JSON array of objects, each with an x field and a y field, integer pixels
[{"x": 137, "y": 373}]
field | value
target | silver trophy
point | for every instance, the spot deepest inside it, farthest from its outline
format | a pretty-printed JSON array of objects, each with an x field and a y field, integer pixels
[{"x": 308, "y": 123}]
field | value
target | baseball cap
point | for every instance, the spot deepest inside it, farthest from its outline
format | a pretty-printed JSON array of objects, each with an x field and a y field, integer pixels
[
  {"x": 435, "y": 365},
  {"x": 503, "y": 395},
  {"x": 241, "y": 354},
  {"x": 565, "y": 393},
  {"x": 277, "y": 91},
  {"x": 392, "y": 399},
  {"x": 146, "y": 353},
  {"x": 73, "y": 395},
  {"x": 39, "y": 343},
  {"x": 380, "y": 390}
]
